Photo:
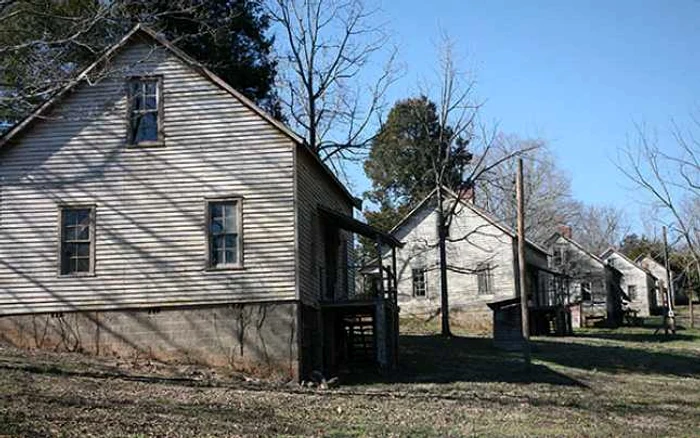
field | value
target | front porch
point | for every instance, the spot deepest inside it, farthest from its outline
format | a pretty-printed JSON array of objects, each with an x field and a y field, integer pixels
[{"x": 549, "y": 302}]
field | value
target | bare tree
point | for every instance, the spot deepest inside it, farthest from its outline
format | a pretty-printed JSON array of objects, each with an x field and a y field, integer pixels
[
  {"x": 327, "y": 48},
  {"x": 669, "y": 175},
  {"x": 600, "y": 227},
  {"x": 467, "y": 148},
  {"x": 548, "y": 199}
]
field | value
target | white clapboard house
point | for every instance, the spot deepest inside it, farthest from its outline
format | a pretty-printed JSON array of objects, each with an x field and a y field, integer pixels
[
  {"x": 149, "y": 209},
  {"x": 482, "y": 265}
]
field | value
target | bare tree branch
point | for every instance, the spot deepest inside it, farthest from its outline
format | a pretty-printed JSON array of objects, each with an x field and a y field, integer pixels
[{"x": 328, "y": 46}]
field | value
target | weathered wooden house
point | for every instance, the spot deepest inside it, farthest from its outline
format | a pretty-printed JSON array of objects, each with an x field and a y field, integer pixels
[
  {"x": 660, "y": 274},
  {"x": 637, "y": 283},
  {"x": 594, "y": 284},
  {"x": 150, "y": 209},
  {"x": 482, "y": 264}
]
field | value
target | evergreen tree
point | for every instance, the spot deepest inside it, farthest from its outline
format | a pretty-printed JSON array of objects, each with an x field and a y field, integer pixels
[
  {"x": 403, "y": 158},
  {"x": 43, "y": 44}
]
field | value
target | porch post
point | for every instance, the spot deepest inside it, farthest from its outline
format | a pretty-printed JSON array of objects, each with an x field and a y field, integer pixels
[
  {"x": 381, "y": 268},
  {"x": 395, "y": 311},
  {"x": 380, "y": 315},
  {"x": 395, "y": 281}
]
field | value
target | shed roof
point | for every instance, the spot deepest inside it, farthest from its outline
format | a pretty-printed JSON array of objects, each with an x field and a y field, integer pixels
[{"x": 351, "y": 224}]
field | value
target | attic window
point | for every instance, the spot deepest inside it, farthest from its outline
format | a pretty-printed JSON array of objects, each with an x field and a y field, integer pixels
[
  {"x": 145, "y": 111},
  {"x": 559, "y": 256}
]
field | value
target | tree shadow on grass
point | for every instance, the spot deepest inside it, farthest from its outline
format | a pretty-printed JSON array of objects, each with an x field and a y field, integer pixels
[
  {"x": 646, "y": 337},
  {"x": 617, "y": 359},
  {"x": 435, "y": 359}
]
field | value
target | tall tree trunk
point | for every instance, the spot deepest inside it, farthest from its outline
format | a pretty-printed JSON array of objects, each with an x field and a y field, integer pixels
[
  {"x": 442, "y": 246},
  {"x": 690, "y": 296}
]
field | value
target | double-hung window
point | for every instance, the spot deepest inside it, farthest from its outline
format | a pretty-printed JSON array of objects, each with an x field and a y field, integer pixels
[
  {"x": 145, "y": 111},
  {"x": 586, "y": 291},
  {"x": 484, "y": 280},
  {"x": 77, "y": 240},
  {"x": 224, "y": 233},
  {"x": 419, "y": 286},
  {"x": 559, "y": 256}
]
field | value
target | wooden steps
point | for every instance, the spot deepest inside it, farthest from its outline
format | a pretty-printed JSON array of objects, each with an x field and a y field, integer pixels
[{"x": 359, "y": 331}]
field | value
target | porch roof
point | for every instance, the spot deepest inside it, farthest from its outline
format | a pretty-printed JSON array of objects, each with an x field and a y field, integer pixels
[{"x": 351, "y": 224}]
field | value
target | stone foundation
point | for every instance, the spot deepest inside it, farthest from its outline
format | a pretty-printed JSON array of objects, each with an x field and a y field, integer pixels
[
  {"x": 260, "y": 339},
  {"x": 473, "y": 320}
]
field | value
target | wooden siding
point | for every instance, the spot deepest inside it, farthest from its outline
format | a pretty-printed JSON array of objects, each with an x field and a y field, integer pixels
[
  {"x": 313, "y": 188},
  {"x": 582, "y": 268},
  {"x": 632, "y": 274},
  {"x": 150, "y": 202},
  {"x": 660, "y": 274},
  {"x": 478, "y": 242}
]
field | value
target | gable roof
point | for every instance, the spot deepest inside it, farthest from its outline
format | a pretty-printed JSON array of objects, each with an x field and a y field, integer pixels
[
  {"x": 140, "y": 29},
  {"x": 557, "y": 235},
  {"x": 640, "y": 258},
  {"x": 480, "y": 212},
  {"x": 608, "y": 252}
]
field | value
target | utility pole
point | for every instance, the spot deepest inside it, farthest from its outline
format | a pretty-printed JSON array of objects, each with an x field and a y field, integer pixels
[
  {"x": 669, "y": 320},
  {"x": 524, "y": 311}
]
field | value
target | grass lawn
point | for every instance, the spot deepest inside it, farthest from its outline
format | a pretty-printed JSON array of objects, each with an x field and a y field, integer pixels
[{"x": 625, "y": 382}]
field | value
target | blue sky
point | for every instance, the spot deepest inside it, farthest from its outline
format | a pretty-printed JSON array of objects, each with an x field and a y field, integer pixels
[{"x": 578, "y": 74}]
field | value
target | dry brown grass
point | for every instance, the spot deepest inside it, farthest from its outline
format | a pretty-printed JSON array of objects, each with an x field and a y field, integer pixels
[{"x": 624, "y": 382}]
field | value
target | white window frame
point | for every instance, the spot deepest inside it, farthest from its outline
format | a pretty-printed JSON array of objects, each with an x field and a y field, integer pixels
[
  {"x": 238, "y": 203},
  {"x": 158, "y": 110},
  {"x": 62, "y": 209},
  {"x": 590, "y": 291},
  {"x": 417, "y": 286},
  {"x": 484, "y": 276}
]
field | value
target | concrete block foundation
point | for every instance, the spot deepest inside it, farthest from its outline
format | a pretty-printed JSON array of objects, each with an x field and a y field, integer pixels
[{"x": 260, "y": 339}]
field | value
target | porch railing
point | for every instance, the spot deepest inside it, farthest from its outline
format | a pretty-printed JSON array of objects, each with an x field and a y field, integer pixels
[{"x": 357, "y": 283}]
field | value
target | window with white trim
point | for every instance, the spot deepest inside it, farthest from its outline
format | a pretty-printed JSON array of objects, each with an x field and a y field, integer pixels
[
  {"x": 76, "y": 244},
  {"x": 484, "y": 279},
  {"x": 224, "y": 233},
  {"x": 145, "y": 111},
  {"x": 586, "y": 291},
  {"x": 419, "y": 284}
]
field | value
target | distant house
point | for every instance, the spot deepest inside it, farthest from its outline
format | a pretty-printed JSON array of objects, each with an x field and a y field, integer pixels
[
  {"x": 482, "y": 263},
  {"x": 594, "y": 284},
  {"x": 658, "y": 270},
  {"x": 637, "y": 283},
  {"x": 149, "y": 209}
]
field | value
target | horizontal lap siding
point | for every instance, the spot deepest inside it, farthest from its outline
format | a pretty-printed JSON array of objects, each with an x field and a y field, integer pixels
[
  {"x": 314, "y": 188},
  {"x": 633, "y": 275},
  {"x": 476, "y": 241},
  {"x": 150, "y": 244}
]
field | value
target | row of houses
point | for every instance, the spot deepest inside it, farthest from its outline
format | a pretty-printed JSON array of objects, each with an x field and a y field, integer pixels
[
  {"x": 483, "y": 266},
  {"x": 149, "y": 209}
]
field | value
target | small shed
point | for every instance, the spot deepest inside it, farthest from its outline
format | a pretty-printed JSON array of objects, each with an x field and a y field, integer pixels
[{"x": 507, "y": 325}]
